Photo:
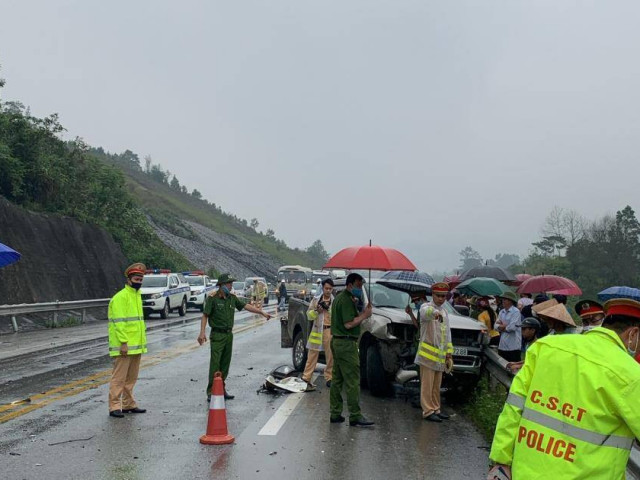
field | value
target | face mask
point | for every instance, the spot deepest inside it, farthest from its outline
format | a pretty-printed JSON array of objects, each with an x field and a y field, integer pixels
[
  {"x": 356, "y": 292},
  {"x": 226, "y": 290},
  {"x": 136, "y": 285}
]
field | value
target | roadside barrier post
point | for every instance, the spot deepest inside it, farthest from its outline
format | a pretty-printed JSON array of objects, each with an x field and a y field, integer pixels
[{"x": 14, "y": 322}]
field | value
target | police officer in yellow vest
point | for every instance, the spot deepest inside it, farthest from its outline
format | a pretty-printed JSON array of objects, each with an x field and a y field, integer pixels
[
  {"x": 434, "y": 352},
  {"x": 127, "y": 342},
  {"x": 319, "y": 313},
  {"x": 572, "y": 411}
]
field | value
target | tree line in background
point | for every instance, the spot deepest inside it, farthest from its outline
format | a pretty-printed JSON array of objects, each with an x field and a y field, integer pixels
[{"x": 596, "y": 254}]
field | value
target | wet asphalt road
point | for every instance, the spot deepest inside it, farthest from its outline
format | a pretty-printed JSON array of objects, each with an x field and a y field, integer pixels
[{"x": 163, "y": 443}]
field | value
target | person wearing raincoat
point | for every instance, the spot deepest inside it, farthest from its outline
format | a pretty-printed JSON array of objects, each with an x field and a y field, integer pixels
[{"x": 319, "y": 313}]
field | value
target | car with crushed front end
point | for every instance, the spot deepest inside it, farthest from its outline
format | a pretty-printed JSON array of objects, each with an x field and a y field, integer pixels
[{"x": 388, "y": 343}]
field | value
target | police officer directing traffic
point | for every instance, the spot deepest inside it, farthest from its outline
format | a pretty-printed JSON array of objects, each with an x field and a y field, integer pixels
[
  {"x": 219, "y": 312},
  {"x": 345, "y": 327},
  {"x": 572, "y": 411}
]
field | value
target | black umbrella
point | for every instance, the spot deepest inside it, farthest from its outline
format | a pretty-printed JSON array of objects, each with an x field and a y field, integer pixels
[{"x": 489, "y": 271}]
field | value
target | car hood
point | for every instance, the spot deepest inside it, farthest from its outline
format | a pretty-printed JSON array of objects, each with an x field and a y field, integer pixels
[
  {"x": 397, "y": 315},
  {"x": 152, "y": 290}
]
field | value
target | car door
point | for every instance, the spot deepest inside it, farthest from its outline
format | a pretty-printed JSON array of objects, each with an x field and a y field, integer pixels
[{"x": 173, "y": 295}]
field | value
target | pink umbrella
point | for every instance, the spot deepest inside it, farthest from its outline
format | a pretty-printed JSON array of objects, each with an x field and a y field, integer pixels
[
  {"x": 549, "y": 284},
  {"x": 522, "y": 277},
  {"x": 452, "y": 280}
]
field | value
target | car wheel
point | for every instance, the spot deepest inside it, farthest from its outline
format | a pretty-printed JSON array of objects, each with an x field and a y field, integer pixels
[
  {"x": 145, "y": 314},
  {"x": 164, "y": 313},
  {"x": 201, "y": 308},
  {"x": 376, "y": 377},
  {"x": 299, "y": 352},
  {"x": 182, "y": 310}
]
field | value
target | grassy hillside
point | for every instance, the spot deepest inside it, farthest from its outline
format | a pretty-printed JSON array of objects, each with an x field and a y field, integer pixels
[{"x": 167, "y": 205}]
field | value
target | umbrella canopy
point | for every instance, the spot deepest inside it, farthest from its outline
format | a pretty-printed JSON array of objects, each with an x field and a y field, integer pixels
[
  {"x": 558, "y": 312},
  {"x": 370, "y": 257},
  {"x": 409, "y": 282},
  {"x": 489, "y": 271},
  {"x": 549, "y": 284},
  {"x": 8, "y": 255},
  {"x": 521, "y": 277},
  {"x": 452, "y": 280},
  {"x": 619, "y": 292},
  {"x": 482, "y": 287}
]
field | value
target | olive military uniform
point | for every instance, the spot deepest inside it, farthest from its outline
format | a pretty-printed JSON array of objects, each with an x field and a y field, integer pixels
[
  {"x": 220, "y": 312},
  {"x": 346, "y": 362}
]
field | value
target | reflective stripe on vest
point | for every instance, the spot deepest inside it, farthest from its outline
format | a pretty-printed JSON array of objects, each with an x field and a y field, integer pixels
[
  {"x": 316, "y": 338},
  {"x": 125, "y": 319},
  {"x": 129, "y": 348},
  {"x": 425, "y": 349},
  {"x": 557, "y": 425}
]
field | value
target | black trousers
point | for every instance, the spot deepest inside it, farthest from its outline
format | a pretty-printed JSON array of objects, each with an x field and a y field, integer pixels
[{"x": 510, "y": 355}]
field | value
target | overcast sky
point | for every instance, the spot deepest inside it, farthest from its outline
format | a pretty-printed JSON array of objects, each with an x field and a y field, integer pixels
[{"x": 426, "y": 126}]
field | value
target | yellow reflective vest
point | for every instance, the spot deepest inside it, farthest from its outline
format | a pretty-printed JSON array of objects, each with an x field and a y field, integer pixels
[
  {"x": 126, "y": 322},
  {"x": 435, "y": 337},
  {"x": 573, "y": 410}
]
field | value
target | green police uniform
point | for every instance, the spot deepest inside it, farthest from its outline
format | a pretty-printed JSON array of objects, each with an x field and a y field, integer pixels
[
  {"x": 346, "y": 362},
  {"x": 220, "y": 312}
]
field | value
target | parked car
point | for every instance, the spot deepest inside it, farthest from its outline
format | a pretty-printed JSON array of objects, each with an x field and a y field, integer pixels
[
  {"x": 387, "y": 343},
  {"x": 163, "y": 292},
  {"x": 238, "y": 289}
]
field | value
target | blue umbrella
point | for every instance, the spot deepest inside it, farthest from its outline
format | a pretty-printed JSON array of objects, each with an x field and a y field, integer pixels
[
  {"x": 8, "y": 255},
  {"x": 409, "y": 282},
  {"x": 619, "y": 292}
]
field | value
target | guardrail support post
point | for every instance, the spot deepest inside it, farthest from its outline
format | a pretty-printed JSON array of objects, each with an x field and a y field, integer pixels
[
  {"x": 84, "y": 316},
  {"x": 14, "y": 322},
  {"x": 55, "y": 319}
]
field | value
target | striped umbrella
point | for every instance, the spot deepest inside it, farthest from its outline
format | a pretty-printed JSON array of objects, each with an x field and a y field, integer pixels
[{"x": 409, "y": 282}]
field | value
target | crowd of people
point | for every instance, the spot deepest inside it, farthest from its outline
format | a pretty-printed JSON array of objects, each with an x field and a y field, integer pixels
[{"x": 515, "y": 323}]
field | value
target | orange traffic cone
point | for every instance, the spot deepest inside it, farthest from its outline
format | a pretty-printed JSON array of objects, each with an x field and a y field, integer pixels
[{"x": 217, "y": 433}]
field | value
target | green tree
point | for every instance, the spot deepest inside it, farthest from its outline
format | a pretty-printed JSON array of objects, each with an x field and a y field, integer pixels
[
  {"x": 254, "y": 223},
  {"x": 469, "y": 258},
  {"x": 175, "y": 184},
  {"x": 196, "y": 194},
  {"x": 318, "y": 251}
]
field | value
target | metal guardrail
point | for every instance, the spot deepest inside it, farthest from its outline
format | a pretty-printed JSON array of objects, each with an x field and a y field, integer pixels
[
  {"x": 55, "y": 307},
  {"x": 497, "y": 368}
]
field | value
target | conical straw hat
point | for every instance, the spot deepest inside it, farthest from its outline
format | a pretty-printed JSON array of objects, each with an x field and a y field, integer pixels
[
  {"x": 558, "y": 312},
  {"x": 544, "y": 305}
]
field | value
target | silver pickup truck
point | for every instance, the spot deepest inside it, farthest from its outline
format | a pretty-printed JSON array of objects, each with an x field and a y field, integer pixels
[{"x": 387, "y": 343}]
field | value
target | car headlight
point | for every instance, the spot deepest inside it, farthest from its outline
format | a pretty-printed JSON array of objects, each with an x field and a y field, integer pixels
[
  {"x": 196, "y": 292},
  {"x": 156, "y": 295}
]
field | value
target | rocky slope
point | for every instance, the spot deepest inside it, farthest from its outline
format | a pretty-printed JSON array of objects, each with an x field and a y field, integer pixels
[{"x": 62, "y": 258}]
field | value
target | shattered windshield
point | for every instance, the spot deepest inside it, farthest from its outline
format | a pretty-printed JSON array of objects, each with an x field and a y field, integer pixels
[{"x": 382, "y": 296}]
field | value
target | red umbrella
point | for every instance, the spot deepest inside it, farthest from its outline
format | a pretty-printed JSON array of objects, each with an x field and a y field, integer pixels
[
  {"x": 549, "y": 284},
  {"x": 370, "y": 257}
]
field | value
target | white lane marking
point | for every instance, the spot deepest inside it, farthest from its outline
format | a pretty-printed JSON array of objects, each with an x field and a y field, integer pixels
[{"x": 278, "y": 419}]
